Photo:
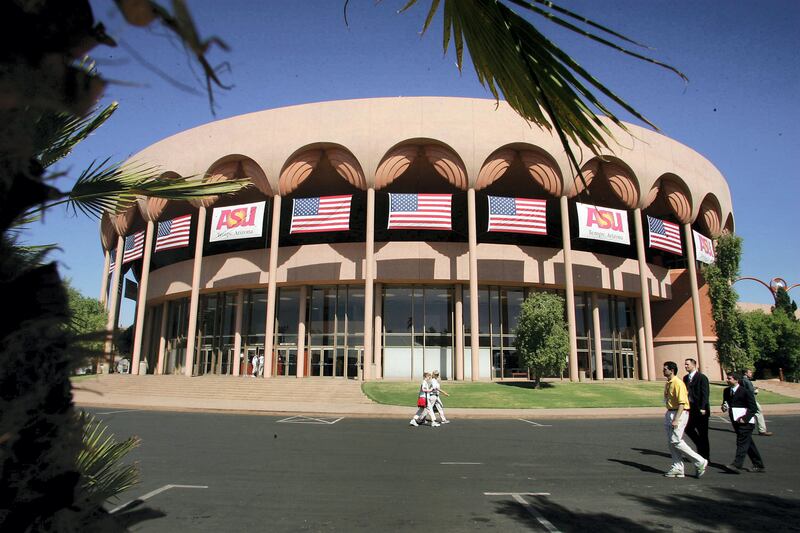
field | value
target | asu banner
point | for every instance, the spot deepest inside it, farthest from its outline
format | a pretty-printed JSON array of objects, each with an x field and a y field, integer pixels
[
  {"x": 243, "y": 221},
  {"x": 703, "y": 248},
  {"x": 602, "y": 224}
]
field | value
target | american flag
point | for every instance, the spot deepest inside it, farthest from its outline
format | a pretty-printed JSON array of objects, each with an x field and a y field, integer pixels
[
  {"x": 134, "y": 247},
  {"x": 323, "y": 213},
  {"x": 517, "y": 215},
  {"x": 111, "y": 263},
  {"x": 420, "y": 211},
  {"x": 173, "y": 233},
  {"x": 665, "y": 235}
]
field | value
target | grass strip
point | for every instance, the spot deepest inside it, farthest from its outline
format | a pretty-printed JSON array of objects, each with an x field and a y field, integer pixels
[{"x": 522, "y": 395}]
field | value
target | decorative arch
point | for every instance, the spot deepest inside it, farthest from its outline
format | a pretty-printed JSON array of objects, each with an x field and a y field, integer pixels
[
  {"x": 676, "y": 196},
  {"x": 539, "y": 166},
  {"x": 122, "y": 222},
  {"x": 108, "y": 234},
  {"x": 303, "y": 164},
  {"x": 709, "y": 216},
  {"x": 444, "y": 160},
  {"x": 152, "y": 208},
  {"x": 621, "y": 179},
  {"x": 729, "y": 225}
]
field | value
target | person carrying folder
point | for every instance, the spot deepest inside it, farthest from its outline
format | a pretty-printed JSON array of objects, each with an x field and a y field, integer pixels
[{"x": 740, "y": 404}]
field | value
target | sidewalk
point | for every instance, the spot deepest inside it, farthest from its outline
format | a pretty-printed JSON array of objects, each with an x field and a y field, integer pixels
[{"x": 95, "y": 395}]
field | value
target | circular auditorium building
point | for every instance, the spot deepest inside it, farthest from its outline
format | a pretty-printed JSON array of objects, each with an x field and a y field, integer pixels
[{"x": 385, "y": 237}]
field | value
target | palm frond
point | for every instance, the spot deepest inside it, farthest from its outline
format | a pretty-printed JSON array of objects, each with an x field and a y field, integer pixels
[
  {"x": 541, "y": 82},
  {"x": 61, "y": 132},
  {"x": 114, "y": 188},
  {"x": 98, "y": 462}
]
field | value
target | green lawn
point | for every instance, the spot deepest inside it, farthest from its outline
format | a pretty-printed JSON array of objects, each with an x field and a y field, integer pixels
[{"x": 521, "y": 395}]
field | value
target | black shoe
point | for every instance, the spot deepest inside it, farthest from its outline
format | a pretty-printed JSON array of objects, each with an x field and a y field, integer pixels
[{"x": 734, "y": 468}]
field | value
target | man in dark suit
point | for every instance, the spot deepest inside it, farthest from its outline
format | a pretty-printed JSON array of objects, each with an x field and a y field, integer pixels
[
  {"x": 699, "y": 410},
  {"x": 739, "y": 400}
]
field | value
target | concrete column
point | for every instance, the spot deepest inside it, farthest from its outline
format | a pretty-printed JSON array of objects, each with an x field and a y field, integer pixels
[
  {"x": 301, "y": 331},
  {"x": 597, "y": 335},
  {"x": 459, "y": 331},
  {"x": 141, "y": 299},
  {"x": 104, "y": 280},
  {"x": 113, "y": 305},
  {"x": 698, "y": 323},
  {"x": 377, "y": 337},
  {"x": 644, "y": 364},
  {"x": 369, "y": 282},
  {"x": 191, "y": 336},
  {"x": 474, "y": 319},
  {"x": 647, "y": 349},
  {"x": 569, "y": 290},
  {"x": 237, "y": 336},
  {"x": 162, "y": 341},
  {"x": 271, "y": 286}
]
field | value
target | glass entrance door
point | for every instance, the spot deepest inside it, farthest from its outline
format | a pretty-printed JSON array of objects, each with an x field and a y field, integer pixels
[{"x": 286, "y": 361}]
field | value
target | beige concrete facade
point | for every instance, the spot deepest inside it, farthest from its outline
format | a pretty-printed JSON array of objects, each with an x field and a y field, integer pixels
[{"x": 455, "y": 144}]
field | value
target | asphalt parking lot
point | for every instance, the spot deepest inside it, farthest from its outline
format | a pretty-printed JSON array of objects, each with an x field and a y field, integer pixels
[{"x": 227, "y": 472}]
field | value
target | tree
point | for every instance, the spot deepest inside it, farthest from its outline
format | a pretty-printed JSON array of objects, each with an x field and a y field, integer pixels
[
  {"x": 542, "y": 341},
  {"x": 775, "y": 342},
  {"x": 785, "y": 304},
  {"x": 87, "y": 318},
  {"x": 732, "y": 342}
]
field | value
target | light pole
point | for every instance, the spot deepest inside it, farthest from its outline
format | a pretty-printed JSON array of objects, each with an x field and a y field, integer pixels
[{"x": 774, "y": 285}]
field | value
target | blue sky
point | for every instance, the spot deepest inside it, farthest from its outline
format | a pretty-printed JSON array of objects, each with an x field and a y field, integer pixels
[{"x": 739, "y": 108}]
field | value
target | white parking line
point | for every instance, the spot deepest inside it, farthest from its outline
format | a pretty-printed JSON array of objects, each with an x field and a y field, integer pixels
[
  {"x": 150, "y": 494},
  {"x": 536, "y": 424},
  {"x": 115, "y": 412},
  {"x": 518, "y": 497},
  {"x": 459, "y": 463},
  {"x": 309, "y": 420}
]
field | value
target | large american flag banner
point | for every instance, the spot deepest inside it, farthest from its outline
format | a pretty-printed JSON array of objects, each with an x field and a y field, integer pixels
[
  {"x": 420, "y": 211},
  {"x": 323, "y": 213},
  {"x": 134, "y": 247},
  {"x": 517, "y": 215},
  {"x": 173, "y": 233},
  {"x": 664, "y": 235}
]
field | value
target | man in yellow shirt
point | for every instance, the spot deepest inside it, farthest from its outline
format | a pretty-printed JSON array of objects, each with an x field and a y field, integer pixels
[{"x": 676, "y": 399}]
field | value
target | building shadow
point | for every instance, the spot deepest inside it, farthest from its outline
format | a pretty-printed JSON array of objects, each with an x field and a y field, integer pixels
[
  {"x": 565, "y": 519},
  {"x": 134, "y": 514}
]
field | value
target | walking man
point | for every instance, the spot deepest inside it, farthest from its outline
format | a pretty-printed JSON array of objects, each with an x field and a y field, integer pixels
[
  {"x": 747, "y": 382},
  {"x": 740, "y": 404},
  {"x": 676, "y": 400},
  {"x": 699, "y": 409}
]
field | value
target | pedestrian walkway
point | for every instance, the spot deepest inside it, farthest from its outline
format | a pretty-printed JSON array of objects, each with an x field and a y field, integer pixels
[{"x": 312, "y": 396}]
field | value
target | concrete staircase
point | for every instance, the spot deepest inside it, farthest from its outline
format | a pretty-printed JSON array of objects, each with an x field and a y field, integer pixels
[{"x": 123, "y": 388}]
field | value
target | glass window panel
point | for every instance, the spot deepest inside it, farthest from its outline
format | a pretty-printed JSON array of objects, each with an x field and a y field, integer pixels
[
  {"x": 355, "y": 312},
  {"x": 287, "y": 312},
  {"x": 513, "y": 302},
  {"x": 493, "y": 314},
  {"x": 397, "y": 316},
  {"x": 438, "y": 305},
  {"x": 582, "y": 309},
  {"x": 255, "y": 312},
  {"x": 605, "y": 315}
]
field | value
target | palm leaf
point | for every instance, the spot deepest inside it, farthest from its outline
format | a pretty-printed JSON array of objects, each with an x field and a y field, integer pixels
[
  {"x": 98, "y": 462},
  {"x": 539, "y": 81},
  {"x": 61, "y": 132},
  {"x": 114, "y": 188}
]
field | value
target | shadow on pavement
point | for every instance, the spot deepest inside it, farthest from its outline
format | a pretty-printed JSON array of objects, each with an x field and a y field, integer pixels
[
  {"x": 644, "y": 468},
  {"x": 728, "y": 509},
  {"x": 130, "y": 518},
  {"x": 565, "y": 519}
]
